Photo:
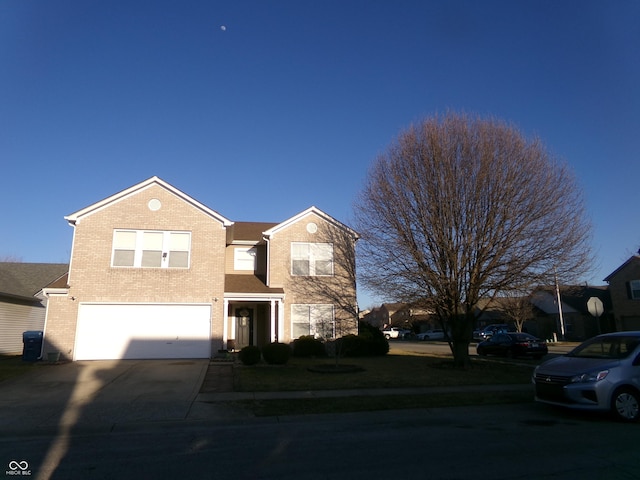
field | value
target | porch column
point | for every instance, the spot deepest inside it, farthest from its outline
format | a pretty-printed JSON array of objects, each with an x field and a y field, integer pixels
[
  {"x": 272, "y": 321},
  {"x": 225, "y": 324},
  {"x": 280, "y": 318}
]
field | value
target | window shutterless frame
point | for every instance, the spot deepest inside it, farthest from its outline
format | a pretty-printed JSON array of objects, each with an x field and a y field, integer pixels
[
  {"x": 151, "y": 249},
  {"x": 311, "y": 259}
]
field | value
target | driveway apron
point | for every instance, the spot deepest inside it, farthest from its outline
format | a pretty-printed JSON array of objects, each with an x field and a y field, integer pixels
[{"x": 100, "y": 394}]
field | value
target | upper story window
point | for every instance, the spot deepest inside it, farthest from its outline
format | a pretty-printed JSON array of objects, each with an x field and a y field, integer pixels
[
  {"x": 151, "y": 249},
  {"x": 311, "y": 259},
  {"x": 244, "y": 258},
  {"x": 634, "y": 289}
]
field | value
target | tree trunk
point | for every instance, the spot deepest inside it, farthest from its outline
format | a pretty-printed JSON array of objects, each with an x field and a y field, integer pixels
[
  {"x": 461, "y": 333},
  {"x": 461, "y": 354}
]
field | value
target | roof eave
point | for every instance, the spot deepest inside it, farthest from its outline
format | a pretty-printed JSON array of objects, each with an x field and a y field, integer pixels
[
  {"x": 311, "y": 210},
  {"x": 75, "y": 217}
]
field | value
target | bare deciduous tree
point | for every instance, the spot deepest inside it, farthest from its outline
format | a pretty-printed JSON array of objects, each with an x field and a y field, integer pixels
[
  {"x": 10, "y": 259},
  {"x": 461, "y": 208},
  {"x": 516, "y": 307}
]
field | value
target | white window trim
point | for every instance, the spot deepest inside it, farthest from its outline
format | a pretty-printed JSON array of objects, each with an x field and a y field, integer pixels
[
  {"x": 166, "y": 248},
  {"x": 310, "y": 306},
  {"x": 634, "y": 287},
  {"x": 312, "y": 260},
  {"x": 241, "y": 258}
]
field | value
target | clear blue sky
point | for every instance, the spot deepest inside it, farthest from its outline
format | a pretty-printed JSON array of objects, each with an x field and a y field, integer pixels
[{"x": 260, "y": 109}]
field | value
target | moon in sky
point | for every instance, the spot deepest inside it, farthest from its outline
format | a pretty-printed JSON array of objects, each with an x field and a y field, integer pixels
[{"x": 223, "y": 28}]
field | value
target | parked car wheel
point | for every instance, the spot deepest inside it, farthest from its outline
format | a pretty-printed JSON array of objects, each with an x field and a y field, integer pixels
[{"x": 626, "y": 404}]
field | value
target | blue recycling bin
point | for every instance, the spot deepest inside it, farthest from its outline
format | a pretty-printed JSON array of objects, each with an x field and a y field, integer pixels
[{"x": 32, "y": 345}]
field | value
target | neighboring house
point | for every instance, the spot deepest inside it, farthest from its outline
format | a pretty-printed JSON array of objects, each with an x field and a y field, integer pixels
[
  {"x": 156, "y": 274},
  {"x": 579, "y": 324},
  {"x": 624, "y": 285},
  {"x": 387, "y": 314},
  {"x": 542, "y": 316},
  {"x": 22, "y": 303},
  {"x": 400, "y": 315}
]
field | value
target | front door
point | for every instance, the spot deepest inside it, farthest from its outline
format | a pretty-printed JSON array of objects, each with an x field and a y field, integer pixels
[{"x": 244, "y": 327}]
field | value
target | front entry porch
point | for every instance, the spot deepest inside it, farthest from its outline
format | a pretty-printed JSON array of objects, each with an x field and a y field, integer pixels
[{"x": 252, "y": 321}]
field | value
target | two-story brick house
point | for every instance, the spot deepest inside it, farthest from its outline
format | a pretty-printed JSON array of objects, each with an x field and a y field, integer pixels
[{"x": 156, "y": 274}]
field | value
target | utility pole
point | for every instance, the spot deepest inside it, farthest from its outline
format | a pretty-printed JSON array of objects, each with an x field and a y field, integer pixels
[{"x": 559, "y": 305}]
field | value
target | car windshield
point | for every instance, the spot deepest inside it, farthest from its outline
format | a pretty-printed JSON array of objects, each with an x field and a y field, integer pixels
[{"x": 614, "y": 347}]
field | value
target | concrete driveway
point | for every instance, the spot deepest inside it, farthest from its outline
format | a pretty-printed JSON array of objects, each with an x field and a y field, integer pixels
[{"x": 100, "y": 394}]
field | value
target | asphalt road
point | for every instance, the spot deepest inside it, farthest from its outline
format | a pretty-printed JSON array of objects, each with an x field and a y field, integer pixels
[
  {"x": 506, "y": 442},
  {"x": 525, "y": 441}
]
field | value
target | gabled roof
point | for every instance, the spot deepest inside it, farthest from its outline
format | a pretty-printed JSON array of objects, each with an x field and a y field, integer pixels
[
  {"x": 75, "y": 217},
  {"x": 574, "y": 298},
  {"x": 24, "y": 280},
  {"x": 633, "y": 259},
  {"x": 546, "y": 301},
  {"x": 302, "y": 215},
  {"x": 578, "y": 296},
  {"x": 393, "y": 307}
]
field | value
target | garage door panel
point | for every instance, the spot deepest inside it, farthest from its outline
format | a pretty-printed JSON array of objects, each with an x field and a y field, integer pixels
[{"x": 125, "y": 331}]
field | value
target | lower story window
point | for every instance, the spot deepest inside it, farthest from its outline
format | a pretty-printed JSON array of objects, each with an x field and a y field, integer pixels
[{"x": 317, "y": 320}]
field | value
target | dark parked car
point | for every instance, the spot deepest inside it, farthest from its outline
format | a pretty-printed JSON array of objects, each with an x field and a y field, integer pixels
[
  {"x": 602, "y": 373},
  {"x": 488, "y": 331},
  {"x": 513, "y": 345}
]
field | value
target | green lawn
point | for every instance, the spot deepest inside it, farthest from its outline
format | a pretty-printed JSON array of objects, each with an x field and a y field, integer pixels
[{"x": 395, "y": 370}]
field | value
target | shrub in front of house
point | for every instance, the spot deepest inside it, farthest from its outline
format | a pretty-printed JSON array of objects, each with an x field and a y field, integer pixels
[
  {"x": 276, "y": 353},
  {"x": 369, "y": 342},
  {"x": 249, "y": 355},
  {"x": 377, "y": 345},
  {"x": 308, "y": 346},
  {"x": 351, "y": 346}
]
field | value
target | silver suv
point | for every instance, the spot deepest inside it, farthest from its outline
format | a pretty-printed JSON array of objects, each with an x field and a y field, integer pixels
[{"x": 602, "y": 373}]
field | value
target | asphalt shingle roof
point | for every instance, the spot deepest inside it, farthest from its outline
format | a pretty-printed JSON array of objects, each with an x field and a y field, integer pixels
[
  {"x": 24, "y": 280},
  {"x": 247, "y": 284},
  {"x": 250, "y": 230}
]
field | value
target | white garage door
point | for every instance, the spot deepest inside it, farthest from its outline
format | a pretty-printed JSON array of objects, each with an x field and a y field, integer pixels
[{"x": 130, "y": 331}]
